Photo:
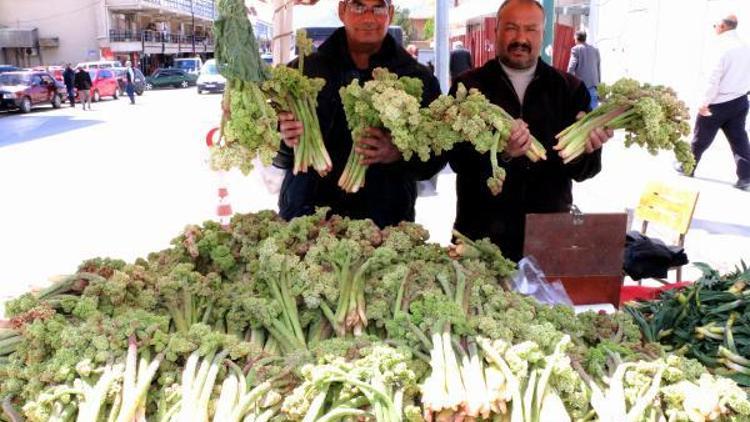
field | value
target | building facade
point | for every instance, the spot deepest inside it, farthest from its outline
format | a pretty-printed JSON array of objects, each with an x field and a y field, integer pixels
[{"x": 148, "y": 32}]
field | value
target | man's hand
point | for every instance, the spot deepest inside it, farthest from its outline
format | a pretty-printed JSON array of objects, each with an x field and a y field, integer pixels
[
  {"x": 290, "y": 128},
  {"x": 376, "y": 147},
  {"x": 520, "y": 139},
  {"x": 704, "y": 111},
  {"x": 597, "y": 137}
]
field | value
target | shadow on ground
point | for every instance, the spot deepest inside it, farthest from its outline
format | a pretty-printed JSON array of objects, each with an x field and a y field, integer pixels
[{"x": 26, "y": 128}]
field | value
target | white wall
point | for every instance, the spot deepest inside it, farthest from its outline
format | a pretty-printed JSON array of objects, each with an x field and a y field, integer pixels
[
  {"x": 74, "y": 22},
  {"x": 662, "y": 41}
]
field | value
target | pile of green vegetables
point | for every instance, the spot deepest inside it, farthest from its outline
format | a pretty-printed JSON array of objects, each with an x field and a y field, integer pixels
[
  {"x": 332, "y": 319},
  {"x": 708, "y": 320}
]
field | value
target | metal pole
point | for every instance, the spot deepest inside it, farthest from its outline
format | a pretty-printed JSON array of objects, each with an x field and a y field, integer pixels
[
  {"x": 442, "y": 35},
  {"x": 192, "y": 16},
  {"x": 549, "y": 30}
]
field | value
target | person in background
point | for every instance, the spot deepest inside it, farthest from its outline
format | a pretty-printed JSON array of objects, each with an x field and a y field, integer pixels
[
  {"x": 130, "y": 85},
  {"x": 725, "y": 103},
  {"x": 544, "y": 101},
  {"x": 585, "y": 64},
  {"x": 83, "y": 86},
  {"x": 352, "y": 52},
  {"x": 69, "y": 78},
  {"x": 459, "y": 60}
]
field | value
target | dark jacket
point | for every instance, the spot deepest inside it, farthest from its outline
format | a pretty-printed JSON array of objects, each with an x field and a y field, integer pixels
[
  {"x": 69, "y": 77},
  {"x": 552, "y": 101},
  {"x": 585, "y": 64},
  {"x": 460, "y": 62},
  {"x": 83, "y": 80},
  {"x": 390, "y": 191}
]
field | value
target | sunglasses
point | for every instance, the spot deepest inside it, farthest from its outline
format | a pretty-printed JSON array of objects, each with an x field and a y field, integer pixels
[{"x": 361, "y": 9}]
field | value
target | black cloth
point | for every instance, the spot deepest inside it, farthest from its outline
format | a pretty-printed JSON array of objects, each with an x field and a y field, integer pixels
[
  {"x": 730, "y": 118},
  {"x": 83, "y": 80},
  {"x": 460, "y": 62},
  {"x": 552, "y": 100},
  {"x": 390, "y": 190},
  {"x": 69, "y": 77},
  {"x": 646, "y": 257}
]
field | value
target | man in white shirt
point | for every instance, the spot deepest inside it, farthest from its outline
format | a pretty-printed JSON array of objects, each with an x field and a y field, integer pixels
[{"x": 725, "y": 104}]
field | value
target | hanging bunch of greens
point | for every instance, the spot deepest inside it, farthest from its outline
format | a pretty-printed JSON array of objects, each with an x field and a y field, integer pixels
[{"x": 248, "y": 123}]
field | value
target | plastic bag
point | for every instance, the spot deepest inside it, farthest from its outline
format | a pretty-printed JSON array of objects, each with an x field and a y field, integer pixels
[{"x": 529, "y": 280}]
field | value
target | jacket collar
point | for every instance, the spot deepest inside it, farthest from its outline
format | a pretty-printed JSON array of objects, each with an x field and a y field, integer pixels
[{"x": 542, "y": 68}]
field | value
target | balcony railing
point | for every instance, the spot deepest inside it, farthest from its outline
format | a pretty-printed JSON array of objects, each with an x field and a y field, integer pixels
[{"x": 158, "y": 36}]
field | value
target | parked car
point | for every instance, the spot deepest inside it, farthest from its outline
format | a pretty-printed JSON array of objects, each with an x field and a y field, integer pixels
[
  {"x": 122, "y": 79},
  {"x": 103, "y": 84},
  {"x": 189, "y": 64},
  {"x": 99, "y": 64},
  {"x": 7, "y": 68},
  {"x": 210, "y": 79},
  {"x": 177, "y": 78},
  {"x": 24, "y": 90}
]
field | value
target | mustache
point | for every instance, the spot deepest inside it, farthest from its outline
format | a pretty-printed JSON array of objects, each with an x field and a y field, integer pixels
[
  {"x": 519, "y": 46},
  {"x": 367, "y": 27}
]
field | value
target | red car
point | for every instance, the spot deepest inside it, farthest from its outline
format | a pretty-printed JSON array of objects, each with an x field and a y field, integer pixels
[
  {"x": 23, "y": 90},
  {"x": 103, "y": 84}
]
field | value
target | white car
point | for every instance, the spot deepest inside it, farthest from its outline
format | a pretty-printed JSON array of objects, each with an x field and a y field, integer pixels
[
  {"x": 101, "y": 64},
  {"x": 210, "y": 79}
]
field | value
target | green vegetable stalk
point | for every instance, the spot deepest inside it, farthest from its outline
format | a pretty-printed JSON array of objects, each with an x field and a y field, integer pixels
[{"x": 290, "y": 90}]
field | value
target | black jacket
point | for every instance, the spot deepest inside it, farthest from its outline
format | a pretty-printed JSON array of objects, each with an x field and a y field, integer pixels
[
  {"x": 69, "y": 77},
  {"x": 390, "y": 192},
  {"x": 460, "y": 62},
  {"x": 83, "y": 80},
  {"x": 552, "y": 100}
]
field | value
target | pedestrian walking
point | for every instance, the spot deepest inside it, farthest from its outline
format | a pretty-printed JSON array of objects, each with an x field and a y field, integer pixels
[
  {"x": 130, "y": 86},
  {"x": 585, "y": 65},
  {"x": 69, "y": 78},
  {"x": 725, "y": 103},
  {"x": 83, "y": 85}
]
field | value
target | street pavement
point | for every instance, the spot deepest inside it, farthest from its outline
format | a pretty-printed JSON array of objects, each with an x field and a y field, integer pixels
[{"x": 123, "y": 180}]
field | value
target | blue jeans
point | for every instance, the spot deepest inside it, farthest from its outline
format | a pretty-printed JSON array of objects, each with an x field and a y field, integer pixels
[
  {"x": 130, "y": 89},
  {"x": 71, "y": 96},
  {"x": 594, "y": 97}
]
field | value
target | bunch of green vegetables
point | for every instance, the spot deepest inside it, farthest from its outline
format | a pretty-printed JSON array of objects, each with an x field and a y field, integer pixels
[
  {"x": 290, "y": 90},
  {"x": 708, "y": 320},
  {"x": 386, "y": 102},
  {"x": 652, "y": 116},
  {"x": 470, "y": 116},
  {"x": 249, "y": 121}
]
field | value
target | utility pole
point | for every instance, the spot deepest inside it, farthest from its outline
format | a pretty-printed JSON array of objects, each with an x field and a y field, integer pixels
[
  {"x": 192, "y": 16},
  {"x": 549, "y": 30},
  {"x": 442, "y": 35}
]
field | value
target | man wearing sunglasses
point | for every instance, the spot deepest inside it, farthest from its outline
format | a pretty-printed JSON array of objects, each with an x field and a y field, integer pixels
[{"x": 352, "y": 52}]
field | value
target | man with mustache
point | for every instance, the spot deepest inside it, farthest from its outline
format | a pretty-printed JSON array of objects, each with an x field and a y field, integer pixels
[
  {"x": 544, "y": 101},
  {"x": 352, "y": 52}
]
